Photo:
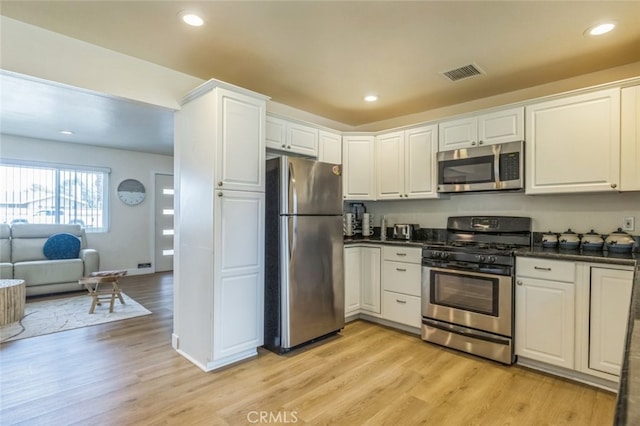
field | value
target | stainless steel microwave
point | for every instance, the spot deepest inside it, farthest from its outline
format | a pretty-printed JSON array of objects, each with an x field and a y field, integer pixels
[{"x": 482, "y": 168}]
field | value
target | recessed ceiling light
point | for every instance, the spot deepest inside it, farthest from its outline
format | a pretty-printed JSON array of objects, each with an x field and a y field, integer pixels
[
  {"x": 191, "y": 18},
  {"x": 371, "y": 98},
  {"x": 66, "y": 132},
  {"x": 600, "y": 29}
]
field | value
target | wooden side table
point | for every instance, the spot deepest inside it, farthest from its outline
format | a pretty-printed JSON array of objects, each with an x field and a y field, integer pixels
[{"x": 13, "y": 295}]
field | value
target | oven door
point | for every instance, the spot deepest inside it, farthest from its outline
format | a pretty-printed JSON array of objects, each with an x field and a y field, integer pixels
[{"x": 470, "y": 299}]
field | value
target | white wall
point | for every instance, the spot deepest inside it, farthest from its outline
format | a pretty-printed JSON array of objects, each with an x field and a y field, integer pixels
[
  {"x": 580, "y": 212},
  {"x": 129, "y": 240}
]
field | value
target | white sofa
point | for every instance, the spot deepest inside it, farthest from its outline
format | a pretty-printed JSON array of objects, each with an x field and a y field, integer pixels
[
  {"x": 6, "y": 267},
  {"x": 41, "y": 275}
]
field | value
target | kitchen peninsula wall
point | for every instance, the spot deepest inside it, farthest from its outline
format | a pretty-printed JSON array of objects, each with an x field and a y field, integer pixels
[{"x": 580, "y": 212}]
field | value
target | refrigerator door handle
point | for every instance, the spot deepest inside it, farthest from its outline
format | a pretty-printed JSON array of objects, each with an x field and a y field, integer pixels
[
  {"x": 293, "y": 192},
  {"x": 293, "y": 230}
]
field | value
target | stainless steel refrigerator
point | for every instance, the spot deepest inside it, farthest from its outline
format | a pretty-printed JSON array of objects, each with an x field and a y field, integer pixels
[{"x": 304, "y": 264}]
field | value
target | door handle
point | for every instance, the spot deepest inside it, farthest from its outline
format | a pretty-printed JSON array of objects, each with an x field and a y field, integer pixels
[{"x": 401, "y": 269}]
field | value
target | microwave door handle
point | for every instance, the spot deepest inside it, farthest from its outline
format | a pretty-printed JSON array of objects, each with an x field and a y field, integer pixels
[{"x": 496, "y": 164}]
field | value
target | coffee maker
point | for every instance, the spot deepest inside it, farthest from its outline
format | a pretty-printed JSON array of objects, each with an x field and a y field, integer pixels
[{"x": 358, "y": 210}]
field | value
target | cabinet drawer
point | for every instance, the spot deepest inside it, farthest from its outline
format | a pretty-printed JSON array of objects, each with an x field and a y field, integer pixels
[
  {"x": 546, "y": 269},
  {"x": 403, "y": 254},
  {"x": 402, "y": 308},
  {"x": 401, "y": 277}
]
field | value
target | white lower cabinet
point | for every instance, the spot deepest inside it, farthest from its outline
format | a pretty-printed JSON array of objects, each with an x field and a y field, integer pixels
[
  {"x": 384, "y": 282},
  {"x": 573, "y": 315},
  {"x": 401, "y": 273},
  {"x": 352, "y": 274},
  {"x": 362, "y": 279},
  {"x": 545, "y": 315},
  {"x": 609, "y": 308}
]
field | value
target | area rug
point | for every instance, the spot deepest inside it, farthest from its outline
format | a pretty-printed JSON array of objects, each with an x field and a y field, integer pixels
[{"x": 54, "y": 315}]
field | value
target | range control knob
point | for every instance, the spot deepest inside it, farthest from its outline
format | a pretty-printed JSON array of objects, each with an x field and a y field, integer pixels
[
  {"x": 491, "y": 259},
  {"x": 445, "y": 255},
  {"x": 480, "y": 258}
]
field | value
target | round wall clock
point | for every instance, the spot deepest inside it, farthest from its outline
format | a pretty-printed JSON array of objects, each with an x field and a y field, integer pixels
[{"x": 131, "y": 192}]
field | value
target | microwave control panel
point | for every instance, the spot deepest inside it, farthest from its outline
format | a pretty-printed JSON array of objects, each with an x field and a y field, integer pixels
[{"x": 510, "y": 166}]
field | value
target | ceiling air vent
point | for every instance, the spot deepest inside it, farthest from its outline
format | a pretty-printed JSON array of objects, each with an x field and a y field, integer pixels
[{"x": 463, "y": 72}]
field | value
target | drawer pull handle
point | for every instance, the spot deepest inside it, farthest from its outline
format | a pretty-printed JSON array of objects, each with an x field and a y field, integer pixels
[
  {"x": 401, "y": 269},
  {"x": 401, "y": 301},
  {"x": 540, "y": 268},
  {"x": 401, "y": 254}
]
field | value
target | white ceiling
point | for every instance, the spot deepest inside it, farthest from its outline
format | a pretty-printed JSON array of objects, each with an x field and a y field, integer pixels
[
  {"x": 324, "y": 56},
  {"x": 40, "y": 109}
]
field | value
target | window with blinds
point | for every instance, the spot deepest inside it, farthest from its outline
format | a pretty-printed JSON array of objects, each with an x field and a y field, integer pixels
[{"x": 52, "y": 193}]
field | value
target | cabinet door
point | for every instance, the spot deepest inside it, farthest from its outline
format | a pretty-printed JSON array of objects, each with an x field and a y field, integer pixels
[
  {"x": 630, "y": 139},
  {"x": 302, "y": 139},
  {"x": 573, "y": 144},
  {"x": 370, "y": 284},
  {"x": 358, "y": 167},
  {"x": 501, "y": 126},
  {"x": 238, "y": 295},
  {"x": 240, "y": 150},
  {"x": 329, "y": 147},
  {"x": 352, "y": 277},
  {"x": 390, "y": 165},
  {"x": 420, "y": 155},
  {"x": 460, "y": 133},
  {"x": 275, "y": 133},
  {"x": 545, "y": 321},
  {"x": 610, "y": 298}
]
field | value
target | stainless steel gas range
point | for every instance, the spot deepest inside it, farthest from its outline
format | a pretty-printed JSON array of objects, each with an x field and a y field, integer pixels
[{"x": 468, "y": 285}]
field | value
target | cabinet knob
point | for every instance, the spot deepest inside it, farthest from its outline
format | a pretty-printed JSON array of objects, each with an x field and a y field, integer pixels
[
  {"x": 284, "y": 146},
  {"x": 473, "y": 143},
  {"x": 220, "y": 183},
  {"x": 480, "y": 143},
  {"x": 219, "y": 194},
  {"x": 519, "y": 282},
  {"x": 289, "y": 147},
  {"x": 614, "y": 186}
]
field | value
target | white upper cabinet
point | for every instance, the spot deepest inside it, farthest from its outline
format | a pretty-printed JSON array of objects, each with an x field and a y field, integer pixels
[
  {"x": 406, "y": 163},
  {"x": 288, "y": 136},
  {"x": 501, "y": 126},
  {"x": 358, "y": 167},
  {"x": 460, "y": 133},
  {"x": 329, "y": 147},
  {"x": 485, "y": 129},
  {"x": 302, "y": 139},
  {"x": 276, "y": 133},
  {"x": 390, "y": 165},
  {"x": 240, "y": 153},
  {"x": 420, "y": 162},
  {"x": 630, "y": 139},
  {"x": 573, "y": 144}
]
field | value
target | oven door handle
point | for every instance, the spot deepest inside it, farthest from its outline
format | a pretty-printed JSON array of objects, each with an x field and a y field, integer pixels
[{"x": 463, "y": 331}]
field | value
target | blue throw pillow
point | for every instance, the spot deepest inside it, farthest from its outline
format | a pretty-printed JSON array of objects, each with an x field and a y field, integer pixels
[{"x": 62, "y": 246}]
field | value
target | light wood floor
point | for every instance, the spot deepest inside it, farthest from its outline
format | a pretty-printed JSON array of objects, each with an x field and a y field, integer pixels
[{"x": 126, "y": 373}]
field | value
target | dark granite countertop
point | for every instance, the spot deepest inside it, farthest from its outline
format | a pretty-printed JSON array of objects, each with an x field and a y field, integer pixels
[
  {"x": 388, "y": 241},
  {"x": 597, "y": 256}
]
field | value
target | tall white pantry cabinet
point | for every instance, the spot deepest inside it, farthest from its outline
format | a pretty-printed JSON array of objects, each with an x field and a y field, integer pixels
[{"x": 219, "y": 157}]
